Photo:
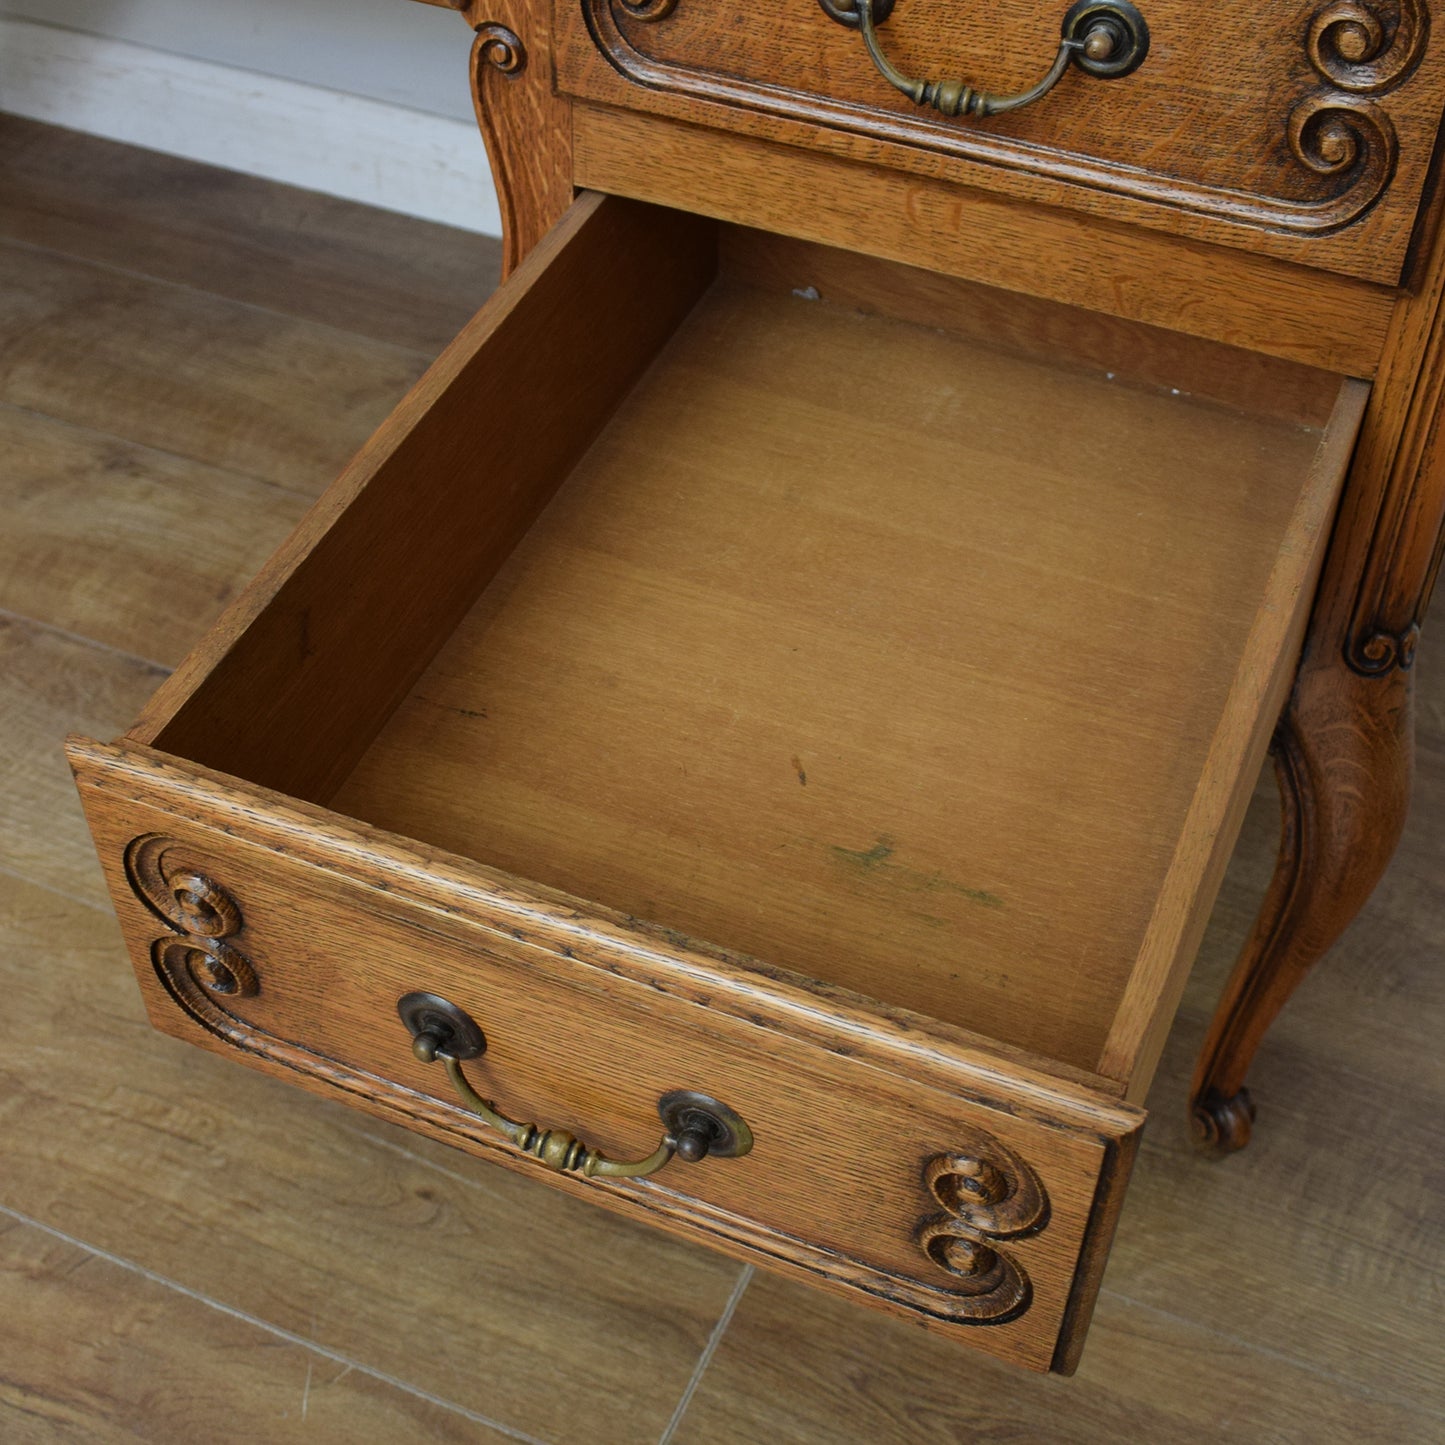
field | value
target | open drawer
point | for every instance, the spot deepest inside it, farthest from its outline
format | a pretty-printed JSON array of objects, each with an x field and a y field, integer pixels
[{"x": 913, "y": 645}]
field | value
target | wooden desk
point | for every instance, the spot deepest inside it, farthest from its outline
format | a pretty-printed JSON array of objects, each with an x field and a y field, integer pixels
[
  {"x": 1343, "y": 746},
  {"x": 880, "y": 547}
]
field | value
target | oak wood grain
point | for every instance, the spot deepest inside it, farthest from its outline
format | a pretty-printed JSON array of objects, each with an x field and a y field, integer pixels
[
  {"x": 228, "y": 384},
  {"x": 393, "y": 278},
  {"x": 770, "y": 624},
  {"x": 331, "y": 943},
  {"x": 134, "y": 548},
  {"x": 304, "y": 1215},
  {"x": 1349, "y": 1063},
  {"x": 1344, "y": 748},
  {"x": 1261, "y": 489},
  {"x": 1241, "y": 299},
  {"x": 526, "y": 124},
  {"x": 438, "y": 496},
  {"x": 1144, "y": 356},
  {"x": 1257, "y": 691},
  {"x": 1344, "y": 1185},
  {"x": 1244, "y": 126}
]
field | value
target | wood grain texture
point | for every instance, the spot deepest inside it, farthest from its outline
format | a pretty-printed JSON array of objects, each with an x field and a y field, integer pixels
[
  {"x": 1237, "y": 749},
  {"x": 317, "y": 1221},
  {"x": 317, "y": 258},
  {"x": 526, "y": 125},
  {"x": 1144, "y": 356},
  {"x": 129, "y": 546},
  {"x": 438, "y": 496},
  {"x": 823, "y": 909},
  {"x": 1345, "y": 749},
  {"x": 281, "y": 400},
  {"x": 1354, "y": 1084},
  {"x": 98, "y": 1352},
  {"x": 773, "y": 634},
  {"x": 564, "y": 995},
  {"x": 279, "y": 1204},
  {"x": 1244, "y": 300},
  {"x": 1181, "y": 1350},
  {"x": 1325, "y": 161}
]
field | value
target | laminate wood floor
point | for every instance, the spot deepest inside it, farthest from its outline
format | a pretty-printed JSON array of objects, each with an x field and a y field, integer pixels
[{"x": 191, "y": 1252}]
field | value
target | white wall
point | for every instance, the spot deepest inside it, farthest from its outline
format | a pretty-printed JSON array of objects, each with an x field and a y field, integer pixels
[
  {"x": 393, "y": 50},
  {"x": 362, "y": 98}
]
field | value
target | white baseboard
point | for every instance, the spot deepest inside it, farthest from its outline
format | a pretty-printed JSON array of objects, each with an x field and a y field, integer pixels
[{"x": 344, "y": 145}]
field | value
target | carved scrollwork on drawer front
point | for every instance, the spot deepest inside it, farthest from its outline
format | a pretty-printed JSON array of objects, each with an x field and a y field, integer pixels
[
  {"x": 1325, "y": 154},
  {"x": 988, "y": 1195},
  {"x": 196, "y": 960},
  {"x": 1351, "y": 45}
]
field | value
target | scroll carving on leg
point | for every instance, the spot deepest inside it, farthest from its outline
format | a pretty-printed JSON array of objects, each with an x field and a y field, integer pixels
[{"x": 527, "y": 128}]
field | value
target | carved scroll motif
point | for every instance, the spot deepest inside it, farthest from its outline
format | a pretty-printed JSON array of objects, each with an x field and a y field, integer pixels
[
  {"x": 1351, "y": 46},
  {"x": 987, "y": 1194},
  {"x": 1339, "y": 134},
  {"x": 526, "y": 126},
  {"x": 648, "y": 9},
  {"x": 195, "y": 961},
  {"x": 500, "y": 48}
]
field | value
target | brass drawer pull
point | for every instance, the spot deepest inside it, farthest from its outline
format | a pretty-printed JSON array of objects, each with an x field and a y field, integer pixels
[
  {"x": 1104, "y": 38},
  {"x": 695, "y": 1126}
]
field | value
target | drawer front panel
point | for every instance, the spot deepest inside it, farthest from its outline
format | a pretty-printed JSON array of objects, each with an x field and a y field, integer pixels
[
  {"x": 1298, "y": 129},
  {"x": 977, "y": 1196}
]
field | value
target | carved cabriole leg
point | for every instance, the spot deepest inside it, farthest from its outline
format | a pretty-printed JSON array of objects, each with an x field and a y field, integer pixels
[
  {"x": 526, "y": 125},
  {"x": 1344, "y": 749},
  {"x": 1343, "y": 757}
]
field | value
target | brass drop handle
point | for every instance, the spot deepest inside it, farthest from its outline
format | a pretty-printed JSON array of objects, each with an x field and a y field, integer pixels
[
  {"x": 695, "y": 1126},
  {"x": 1104, "y": 38}
]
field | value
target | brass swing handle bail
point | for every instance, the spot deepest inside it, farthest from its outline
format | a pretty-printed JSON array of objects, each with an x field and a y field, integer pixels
[
  {"x": 695, "y": 1126},
  {"x": 1104, "y": 38}
]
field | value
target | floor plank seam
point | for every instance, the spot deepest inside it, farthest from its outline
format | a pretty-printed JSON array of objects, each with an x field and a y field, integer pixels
[
  {"x": 300, "y": 1341},
  {"x": 102, "y": 908},
  {"x": 101, "y": 433},
  {"x": 111, "y": 269},
  {"x": 708, "y": 1350},
  {"x": 161, "y": 668},
  {"x": 1354, "y": 1387},
  {"x": 413, "y": 1157}
]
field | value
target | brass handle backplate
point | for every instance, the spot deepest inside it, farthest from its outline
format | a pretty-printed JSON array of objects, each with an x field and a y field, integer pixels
[
  {"x": 695, "y": 1126},
  {"x": 1104, "y": 38}
]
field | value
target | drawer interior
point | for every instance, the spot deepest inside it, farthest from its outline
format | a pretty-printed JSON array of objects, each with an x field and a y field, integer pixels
[{"x": 916, "y": 638}]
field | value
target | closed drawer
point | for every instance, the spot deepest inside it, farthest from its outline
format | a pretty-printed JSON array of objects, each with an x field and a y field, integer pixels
[
  {"x": 713, "y": 587},
  {"x": 1295, "y": 129}
]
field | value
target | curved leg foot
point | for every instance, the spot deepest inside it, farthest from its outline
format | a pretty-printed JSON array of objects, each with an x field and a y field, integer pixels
[
  {"x": 1343, "y": 754},
  {"x": 1223, "y": 1125}
]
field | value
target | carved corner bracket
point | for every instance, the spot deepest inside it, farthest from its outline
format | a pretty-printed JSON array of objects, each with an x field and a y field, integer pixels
[
  {"x": 987, "y": 1194},
  {"x": 526, "y": 126}
]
